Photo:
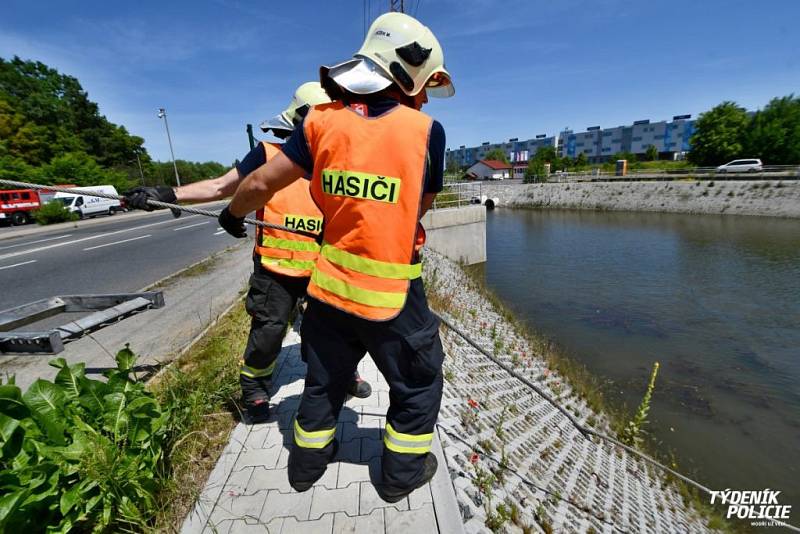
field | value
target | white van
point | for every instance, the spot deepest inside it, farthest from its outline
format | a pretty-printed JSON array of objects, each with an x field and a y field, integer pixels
[{"x": 87, "y": 205}]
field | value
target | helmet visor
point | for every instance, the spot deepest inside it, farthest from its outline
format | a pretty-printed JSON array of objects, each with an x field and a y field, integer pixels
[
  {"x": 278, "y": 122},
  {"x": 439, "y": 85},
  {"x": 360, "y": 76}
]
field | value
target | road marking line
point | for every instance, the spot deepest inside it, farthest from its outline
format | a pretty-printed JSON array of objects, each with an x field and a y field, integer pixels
[
  {"x": 190, "y": 226},
  {"x": 219, "y": 228},
  {"x": 55, "y": 245},
  {"x": 17, "y": 264},
  {"x": 34, "y": 242},
  {"x": 220, "y": 232},
  {"x": 117, "y": 242}
]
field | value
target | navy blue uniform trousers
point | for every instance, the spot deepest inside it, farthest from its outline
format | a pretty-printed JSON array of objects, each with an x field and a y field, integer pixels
[{"x": 407, "y": 351}]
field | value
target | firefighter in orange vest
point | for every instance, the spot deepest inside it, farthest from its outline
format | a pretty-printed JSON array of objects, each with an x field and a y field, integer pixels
[
  {"x": 376, "y": 164},
  {"x": 283, "y": 260}
]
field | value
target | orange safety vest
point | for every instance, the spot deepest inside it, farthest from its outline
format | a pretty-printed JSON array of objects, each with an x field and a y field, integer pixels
[
  {"x": 284, "y": 252},
  {"x": 368, "y": 181}
]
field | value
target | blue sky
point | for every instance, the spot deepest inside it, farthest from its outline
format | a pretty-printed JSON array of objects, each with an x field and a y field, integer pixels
[{"x": 521, "y": 67}]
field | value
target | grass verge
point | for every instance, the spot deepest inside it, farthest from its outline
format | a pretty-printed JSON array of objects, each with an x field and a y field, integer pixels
[{"x": 202, "y": 389}]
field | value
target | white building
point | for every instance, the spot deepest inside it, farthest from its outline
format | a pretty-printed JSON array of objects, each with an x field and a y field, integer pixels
[{"x": 490, "y": 169}]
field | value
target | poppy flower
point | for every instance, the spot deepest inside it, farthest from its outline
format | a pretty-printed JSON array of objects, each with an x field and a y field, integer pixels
[
  {"x": 473, "y": 459},
  {"x": 473, "y": 404}
]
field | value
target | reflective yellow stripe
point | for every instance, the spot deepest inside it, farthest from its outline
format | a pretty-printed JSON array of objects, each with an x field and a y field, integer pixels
[
  {"x": 406, "y": 443},
  {"x": 290, "y": 244},
  {"x": 382, "y": 269},
  {"x": 300, "y": 265},
  {"x": 252, "y": 372},
  {"x": 312, "y": 440},
  {"x": 379, "y": 299}
]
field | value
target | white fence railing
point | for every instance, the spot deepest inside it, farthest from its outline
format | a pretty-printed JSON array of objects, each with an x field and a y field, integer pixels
[{"x": 455, "y": 195}]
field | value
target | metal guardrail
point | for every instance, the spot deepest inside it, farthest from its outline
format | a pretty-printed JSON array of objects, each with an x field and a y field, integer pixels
[
  {"x": 108, "y": 309},
  {"x": 455, "y": 195},
  {"x": 769, "y": 172}
]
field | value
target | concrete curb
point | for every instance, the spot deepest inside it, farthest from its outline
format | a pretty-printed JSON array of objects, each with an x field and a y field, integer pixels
[
  {"x": 445, "y": 505},
  {"x": 35, "y": 229}
]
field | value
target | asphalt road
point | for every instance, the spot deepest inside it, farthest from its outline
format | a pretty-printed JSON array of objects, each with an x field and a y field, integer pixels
[{"x": 122, "y": 255}]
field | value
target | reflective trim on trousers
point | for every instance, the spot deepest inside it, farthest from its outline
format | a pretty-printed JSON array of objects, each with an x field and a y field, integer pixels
[
  {"x": 252, "y": 372},
  {"x": 312, "y": 440},
  {"x": 406, "y": 443}
]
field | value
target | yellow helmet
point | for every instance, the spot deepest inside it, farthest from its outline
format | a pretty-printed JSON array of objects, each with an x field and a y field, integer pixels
[
  {"x": 307, "y": 95},
  {"x": 398, "y": 48}
]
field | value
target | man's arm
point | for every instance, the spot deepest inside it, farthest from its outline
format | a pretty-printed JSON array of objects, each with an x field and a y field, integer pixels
[
  {"x": 211, "y": 189},
  {"x": 259, "y": 186},
  {"x": 205, "y": 190},
  {"x": 427, "y": 202},
  {"x": 434, "y": 169}
]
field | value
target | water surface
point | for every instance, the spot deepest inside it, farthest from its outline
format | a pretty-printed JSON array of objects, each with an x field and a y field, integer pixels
[{"x": 715, "y": 299}]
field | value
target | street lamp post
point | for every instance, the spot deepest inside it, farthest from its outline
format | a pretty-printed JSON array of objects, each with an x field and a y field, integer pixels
[{"x": 162, "y": 114}]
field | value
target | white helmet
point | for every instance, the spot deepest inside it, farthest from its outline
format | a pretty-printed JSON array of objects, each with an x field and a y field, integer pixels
[
  {"x": 307, "y": 95},
  {"x": 398, "y": 48}
]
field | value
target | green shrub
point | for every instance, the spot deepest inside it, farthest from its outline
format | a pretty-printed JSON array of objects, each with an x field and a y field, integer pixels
[
  {"x": 78, "y": 454},
  {"x": 54, "y": 212}
]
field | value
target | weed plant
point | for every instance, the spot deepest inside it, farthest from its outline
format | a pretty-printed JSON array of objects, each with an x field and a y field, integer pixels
[{"x": 120, "y": 455}]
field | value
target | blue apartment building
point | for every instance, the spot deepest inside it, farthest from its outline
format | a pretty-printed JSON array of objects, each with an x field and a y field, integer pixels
[{"x": 671, "y": 139}]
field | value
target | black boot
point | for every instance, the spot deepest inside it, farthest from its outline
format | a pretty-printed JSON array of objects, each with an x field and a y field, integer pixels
[
  {"x": 255, "y": 397},
  {"x": 310, "y": 468},
  {"x": 359, "y": 387},
  {"x": 390, "y": 493}
]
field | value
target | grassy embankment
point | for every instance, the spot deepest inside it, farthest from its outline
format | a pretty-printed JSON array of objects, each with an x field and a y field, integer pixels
[{"x": 202, "y": 387}]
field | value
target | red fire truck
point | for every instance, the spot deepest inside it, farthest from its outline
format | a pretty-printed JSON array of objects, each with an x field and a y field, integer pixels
[{"x": 17, "y": 205}]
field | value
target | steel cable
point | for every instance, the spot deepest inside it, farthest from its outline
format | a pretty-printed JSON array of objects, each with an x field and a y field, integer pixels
[
  {"x": 585, "y": 431},
  {"x": 154, "y": 203}
]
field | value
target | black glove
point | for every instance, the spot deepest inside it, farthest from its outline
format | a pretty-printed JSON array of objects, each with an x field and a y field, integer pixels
[
  {"x": 137, "y": 198},
  {"x": 232, "y": 224}
]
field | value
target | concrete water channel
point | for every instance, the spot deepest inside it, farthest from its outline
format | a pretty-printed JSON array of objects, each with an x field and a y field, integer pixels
[{"x": 715, "y": 299}]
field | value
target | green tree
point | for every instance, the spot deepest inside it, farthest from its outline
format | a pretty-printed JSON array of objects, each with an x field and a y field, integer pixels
[
  {"x": 80, "y": 169},
  {"x": 651, "y": 154},
  {"x": 719, "y": 135},
  {"x": 581, "y": 161},
  {"x": 536, "y": 164},
  {"x": 774, "y": 133},
  {"x": 60, "y": 109},
  {"x": 50, "y": 132},
  {"x": 162, "y": 172},
  {"x": 452, "y": 167},
  {"x": 497, "y": 154}
]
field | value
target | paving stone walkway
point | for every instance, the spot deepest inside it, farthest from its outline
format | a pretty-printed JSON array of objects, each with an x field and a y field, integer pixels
[{"x": 248, "y": 490}]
